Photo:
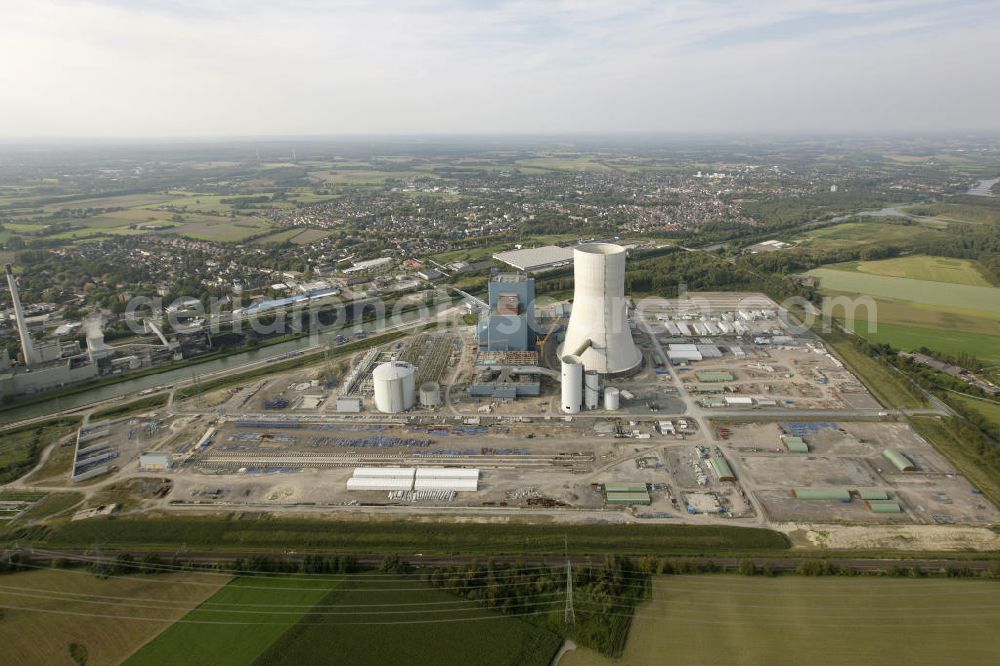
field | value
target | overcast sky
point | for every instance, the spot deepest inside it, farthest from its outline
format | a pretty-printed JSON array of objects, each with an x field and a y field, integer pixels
[{"x": 154, "y": 68}]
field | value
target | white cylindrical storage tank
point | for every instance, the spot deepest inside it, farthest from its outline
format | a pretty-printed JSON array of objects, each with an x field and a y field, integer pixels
[
  {"x": 394, "y": 387},
  {"x": 591, "y": 389},
  {"x": 430, "y": 394},
  {"x": 572, "y": 384},
  {"x": 612, "y": 399},
  {"x": 598, "y": 327}
]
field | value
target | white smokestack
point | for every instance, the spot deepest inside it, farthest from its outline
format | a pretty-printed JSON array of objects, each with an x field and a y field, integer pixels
[
  {"x": 27, "y": 349},
  {"x": 598, "y": 329}
]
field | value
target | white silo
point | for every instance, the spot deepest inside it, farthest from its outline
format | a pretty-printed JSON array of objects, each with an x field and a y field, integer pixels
[
  {"x": 612, "y": 398},
  {"x": 598, "y": 330},
  {"x": 394, "y": 384},
  {"x": 572, "y": 384},
  {"x": 430, "y": 394},
  {"x": 591, "y": 389}
]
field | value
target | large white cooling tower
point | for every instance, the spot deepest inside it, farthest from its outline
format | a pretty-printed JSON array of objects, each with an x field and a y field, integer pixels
[{"x": 598, "y": 329}]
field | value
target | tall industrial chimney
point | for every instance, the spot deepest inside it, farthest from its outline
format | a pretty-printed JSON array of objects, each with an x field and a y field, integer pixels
[
  {"x": 22, "y": 327},
  {"x": 598, "y": 330}
]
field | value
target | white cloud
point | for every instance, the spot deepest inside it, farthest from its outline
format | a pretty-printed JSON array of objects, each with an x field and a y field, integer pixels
[{"x": 222, "y": 67}]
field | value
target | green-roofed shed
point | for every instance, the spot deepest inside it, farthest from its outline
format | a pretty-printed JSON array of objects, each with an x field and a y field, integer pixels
[
  {"x": 902, "y": 463},
  {"x": 795, "y": 444},
  {"x": 710, "y": 388},
  {"x": 822, "y": 494},
  {"x": 721, "y": 468},
  {"x": 625, "y": 487},
  {"x": 887, "y": 506},
  {"x": 715, "y": 376},
  {"x": 873, "y": 494},
  {"x": 713, "y": 401},
  {"x": 629, "y": 499}
]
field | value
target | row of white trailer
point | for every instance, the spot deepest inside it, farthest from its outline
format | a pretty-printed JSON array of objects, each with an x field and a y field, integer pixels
[
  {"x": 414, "y": 478},
  {"x": 686, "y": 352},
  {"x": 703, "y": 328}
]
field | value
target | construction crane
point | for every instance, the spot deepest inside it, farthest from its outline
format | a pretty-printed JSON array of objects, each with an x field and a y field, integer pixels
[{"x": 552, "y": 329}]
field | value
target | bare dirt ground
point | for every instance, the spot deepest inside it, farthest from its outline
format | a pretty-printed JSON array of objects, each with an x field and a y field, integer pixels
[{"x": 902, "y": 537}]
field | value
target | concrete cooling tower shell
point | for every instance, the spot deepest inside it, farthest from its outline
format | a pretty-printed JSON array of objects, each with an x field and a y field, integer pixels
[
  {"x": 598, "y": 330},
  {"x": 394, "y": 385}
]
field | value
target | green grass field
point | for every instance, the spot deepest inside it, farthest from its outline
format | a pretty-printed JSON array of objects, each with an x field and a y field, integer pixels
[
  {"x": 53, "y": 504},
  {"x": 976, "y": 211},
  {"x": 13, "y": 502},
  {"x": 408, "y": 538},
  {"x": 851, "y": 235},
  {"x": 46, "y": 611},
  {"x": 428, "y": 627},
  {"x": 20, "y": 449},
  {"x": 976, "y": 298},
  {"x": 909, "y": 338},
  {"x": 237, "y": 623},
  {"x": 696, "y": 620},
  {"x": 923, "y": 267},
  {"x": 988, "y": 408}
]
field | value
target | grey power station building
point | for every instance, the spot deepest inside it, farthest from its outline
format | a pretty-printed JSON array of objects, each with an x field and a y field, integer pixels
[{"x": 509, "y": 325}]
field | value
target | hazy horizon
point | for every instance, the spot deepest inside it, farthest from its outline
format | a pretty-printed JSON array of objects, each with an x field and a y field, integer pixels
[{"x": 221, "y": 69}]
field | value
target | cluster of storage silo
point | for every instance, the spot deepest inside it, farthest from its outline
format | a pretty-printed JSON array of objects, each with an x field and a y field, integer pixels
[{"x": 581, "y": 388}]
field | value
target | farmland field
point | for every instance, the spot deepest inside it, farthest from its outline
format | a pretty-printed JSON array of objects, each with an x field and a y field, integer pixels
[
  {"x": 296, "y": 235},
  {"x": 278, "y": 237},
  {"x": 237, "y": 623},
  {"x": 984, "y": 299},
  {"x": 109, "y": 617},
  {"x": 951, "y": 308},
  {"x": 428, "y": 627},
  {"x": 310, "y": 236},
  {"x": 222, "y": 229},
  {"x": 801, "y": 620},
  {"x": 922, "y": 267}
]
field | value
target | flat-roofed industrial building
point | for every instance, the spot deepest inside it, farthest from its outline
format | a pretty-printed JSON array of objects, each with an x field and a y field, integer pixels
[{"x": 537, "y": 258}]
